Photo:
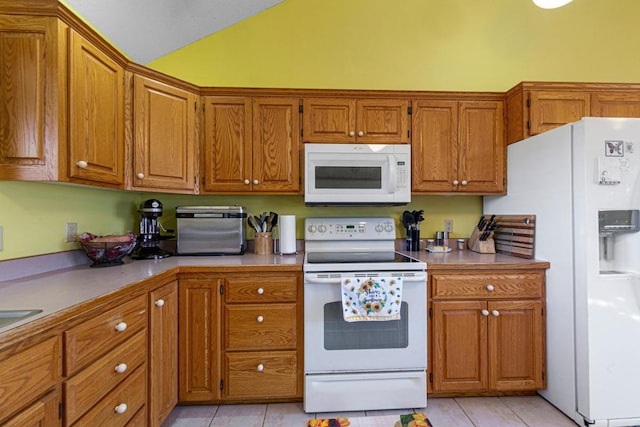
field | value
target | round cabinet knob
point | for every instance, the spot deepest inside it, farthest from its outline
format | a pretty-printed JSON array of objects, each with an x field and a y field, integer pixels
[
  {"x": 463, "y": 182},
  {"x": 260, "y": 291},
  {"x": 352, "y": 133},
  {"x": 360, "y": 133},
  {"x": 456, "y": 182},
  {"x": 121, "y": 327},
  {"x": 121, "y": 368},
  {"x": 260, "y": 319},
  {"x": 485, "y": 312},
  {"x": 260, "y": 367},
  {"x": 247, "y": 182},
  {"x": 495, "y": 313},
  {"x": 121, "y": 408},
  {"x": 490, "y": 288},
  {"x": 140, "y": 175},
  {"x": 82, "y": 164},
  {"x": 160, "y": 303},
  {"x": 256, "y": 182}
]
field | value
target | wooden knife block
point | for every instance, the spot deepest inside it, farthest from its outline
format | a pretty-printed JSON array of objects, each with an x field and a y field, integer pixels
[{"x": 485, "y": 246}]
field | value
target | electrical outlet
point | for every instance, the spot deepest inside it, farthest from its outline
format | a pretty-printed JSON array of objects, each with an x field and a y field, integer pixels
[
  {"x": 71, "y": 232},
  {"x": 448, "y": 225},
  {"x": 1, "y": 244}
]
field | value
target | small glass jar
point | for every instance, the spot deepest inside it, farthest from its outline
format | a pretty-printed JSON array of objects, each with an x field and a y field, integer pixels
[
  {"x": 460, "y": 244},
  {"x": 430, "y": 244}
]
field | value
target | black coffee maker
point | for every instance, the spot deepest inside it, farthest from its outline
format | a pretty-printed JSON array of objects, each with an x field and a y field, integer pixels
[{"x": 148, "y": 245}]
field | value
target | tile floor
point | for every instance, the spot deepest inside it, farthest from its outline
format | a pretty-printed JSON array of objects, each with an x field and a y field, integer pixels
[{"x": 509, "y": 411}]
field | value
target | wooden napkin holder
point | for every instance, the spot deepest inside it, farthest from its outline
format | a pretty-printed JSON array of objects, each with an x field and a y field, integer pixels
[{"x": 481, "y": 246}]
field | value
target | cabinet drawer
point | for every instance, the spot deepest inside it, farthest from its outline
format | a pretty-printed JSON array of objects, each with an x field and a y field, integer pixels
[
  {"x": 260, "y": 327},
  {"x": 520, "y": 285},
  {"x": 27, "y": 375},
  {"x": 91, "y": 384},
  {"x": 272, "y": 374},
  {"x": 96, "y": 336},
  {"x": 129, "y": 396},
  {"x": 261, "y": 289}
]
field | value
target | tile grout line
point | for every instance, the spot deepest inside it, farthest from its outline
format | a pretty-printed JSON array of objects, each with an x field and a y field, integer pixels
[{"x": 464, "y": 412}]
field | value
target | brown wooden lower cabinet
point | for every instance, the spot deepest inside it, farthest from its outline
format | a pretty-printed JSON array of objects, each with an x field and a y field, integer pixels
[
  {"x": 240, "y": 337},
  {"x": 484, "y": 338}
]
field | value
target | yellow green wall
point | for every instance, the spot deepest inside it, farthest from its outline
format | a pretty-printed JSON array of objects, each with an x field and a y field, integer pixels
[{"x": 479, "y": 45}]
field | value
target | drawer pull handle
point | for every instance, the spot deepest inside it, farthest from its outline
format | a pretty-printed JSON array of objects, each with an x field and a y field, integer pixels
[
  {"x": 260, "y": 291},
  {"x": 260, "y": 367},
  {"x": 121, "y": 327},
  {"x": 121, "y": 408},
  {"x": 121, "y": 368},
  {"x": 260, "y": 319},
  {"x": 490, "y": 288},
  {"x": 496, "y": 313},
  {"x": 140, "y": 175},
  {"x": 160, "y": 303},
  {"x": 485, "y": 312}
]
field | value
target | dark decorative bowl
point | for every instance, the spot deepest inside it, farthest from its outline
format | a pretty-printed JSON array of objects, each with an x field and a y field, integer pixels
[{"x": 105, "y": 252}]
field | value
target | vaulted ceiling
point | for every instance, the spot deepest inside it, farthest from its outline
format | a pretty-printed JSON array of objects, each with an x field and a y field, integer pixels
[{"x": 149, "y": 29}]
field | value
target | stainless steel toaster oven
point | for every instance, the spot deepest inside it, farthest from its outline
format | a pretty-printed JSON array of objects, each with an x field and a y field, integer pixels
[{"x": 211, "y": 230}]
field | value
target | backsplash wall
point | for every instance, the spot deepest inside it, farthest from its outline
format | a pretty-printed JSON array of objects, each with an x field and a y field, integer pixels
[{"x": 33, "y": 215}]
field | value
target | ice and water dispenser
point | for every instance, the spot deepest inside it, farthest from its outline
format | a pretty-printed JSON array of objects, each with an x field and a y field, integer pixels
[{"x": 617, "y": 247}]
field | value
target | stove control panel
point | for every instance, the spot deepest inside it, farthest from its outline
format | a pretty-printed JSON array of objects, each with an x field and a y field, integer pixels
[{"x": 383, "y": 228}]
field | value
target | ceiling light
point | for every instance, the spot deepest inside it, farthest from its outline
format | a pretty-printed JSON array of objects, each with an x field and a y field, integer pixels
[{"x": 551, "y": 4}]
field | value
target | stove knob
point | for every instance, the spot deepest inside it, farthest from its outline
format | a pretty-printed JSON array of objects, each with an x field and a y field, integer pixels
[
  {"x": 312, "y": 228},
  {"x": 388, "y": 228},
  {"x": 322, "y": 228},
  {"x": 379, "y": 228}
]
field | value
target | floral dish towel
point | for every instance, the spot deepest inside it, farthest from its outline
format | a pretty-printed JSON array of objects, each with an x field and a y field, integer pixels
[{"x": 371, "y": 298}]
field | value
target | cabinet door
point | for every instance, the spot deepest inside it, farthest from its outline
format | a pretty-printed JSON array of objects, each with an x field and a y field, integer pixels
[
  {"x": 28, "y": 100},
  {"x": 460, "y": 346},
  {"x": 516, "y": 350},
  {"x": 198, "y": 338},
  {"x": 96, "y": 115},
  {"x": 164, "y": 136},
  {"x": 550, "y": 109},
  {"x": 482, "y": 149},
  {"x": 625, "y": 104},
  {"x": 163, "y": 352},
  {"x": 434, "y": 145},
  {"x": 382, "y": 121},
  {"x": 227, "y": 144},
  {"x": 43, "y": 413},
  {"x": 329, "y": 120},
  {"x": 276, "y": 145}
]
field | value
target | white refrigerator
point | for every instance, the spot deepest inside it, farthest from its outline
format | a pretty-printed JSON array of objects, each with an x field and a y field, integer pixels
[{"x": 582, "y": 182}]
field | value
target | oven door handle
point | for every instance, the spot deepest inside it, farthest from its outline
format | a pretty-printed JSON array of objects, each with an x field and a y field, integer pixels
[{"x": 312, "y": 279}]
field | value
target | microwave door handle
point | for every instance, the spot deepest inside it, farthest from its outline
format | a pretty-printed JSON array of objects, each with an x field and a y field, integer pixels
[{"x": 393, "y": 174}]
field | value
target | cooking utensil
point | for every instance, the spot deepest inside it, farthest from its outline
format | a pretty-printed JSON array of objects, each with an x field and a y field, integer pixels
[
  {"x": 254, "y": 223},
  {"x": 272, "y": 220}
]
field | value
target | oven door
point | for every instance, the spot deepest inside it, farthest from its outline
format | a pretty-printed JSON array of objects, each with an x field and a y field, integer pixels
[{"x": 333, "y": 345}]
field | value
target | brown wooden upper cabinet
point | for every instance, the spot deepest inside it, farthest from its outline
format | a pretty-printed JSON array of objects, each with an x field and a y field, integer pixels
[
  {"x": 31, "y": 113},
  {"x": 458, "y": 147},
  {"x": 251, "y": 145},
  {"x": 96, "y": 115},
  {"x": 164, "y": 137},
  {"x": 365, "y": 121},
  {"x": 536, "y": 107}
]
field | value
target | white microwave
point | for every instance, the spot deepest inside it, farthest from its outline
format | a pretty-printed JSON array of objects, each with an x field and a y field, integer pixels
[{"x": 357, "y": 174}]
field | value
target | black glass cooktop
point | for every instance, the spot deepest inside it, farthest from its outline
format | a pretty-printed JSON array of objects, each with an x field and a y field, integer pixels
[{"x": 356, "y": 257}]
